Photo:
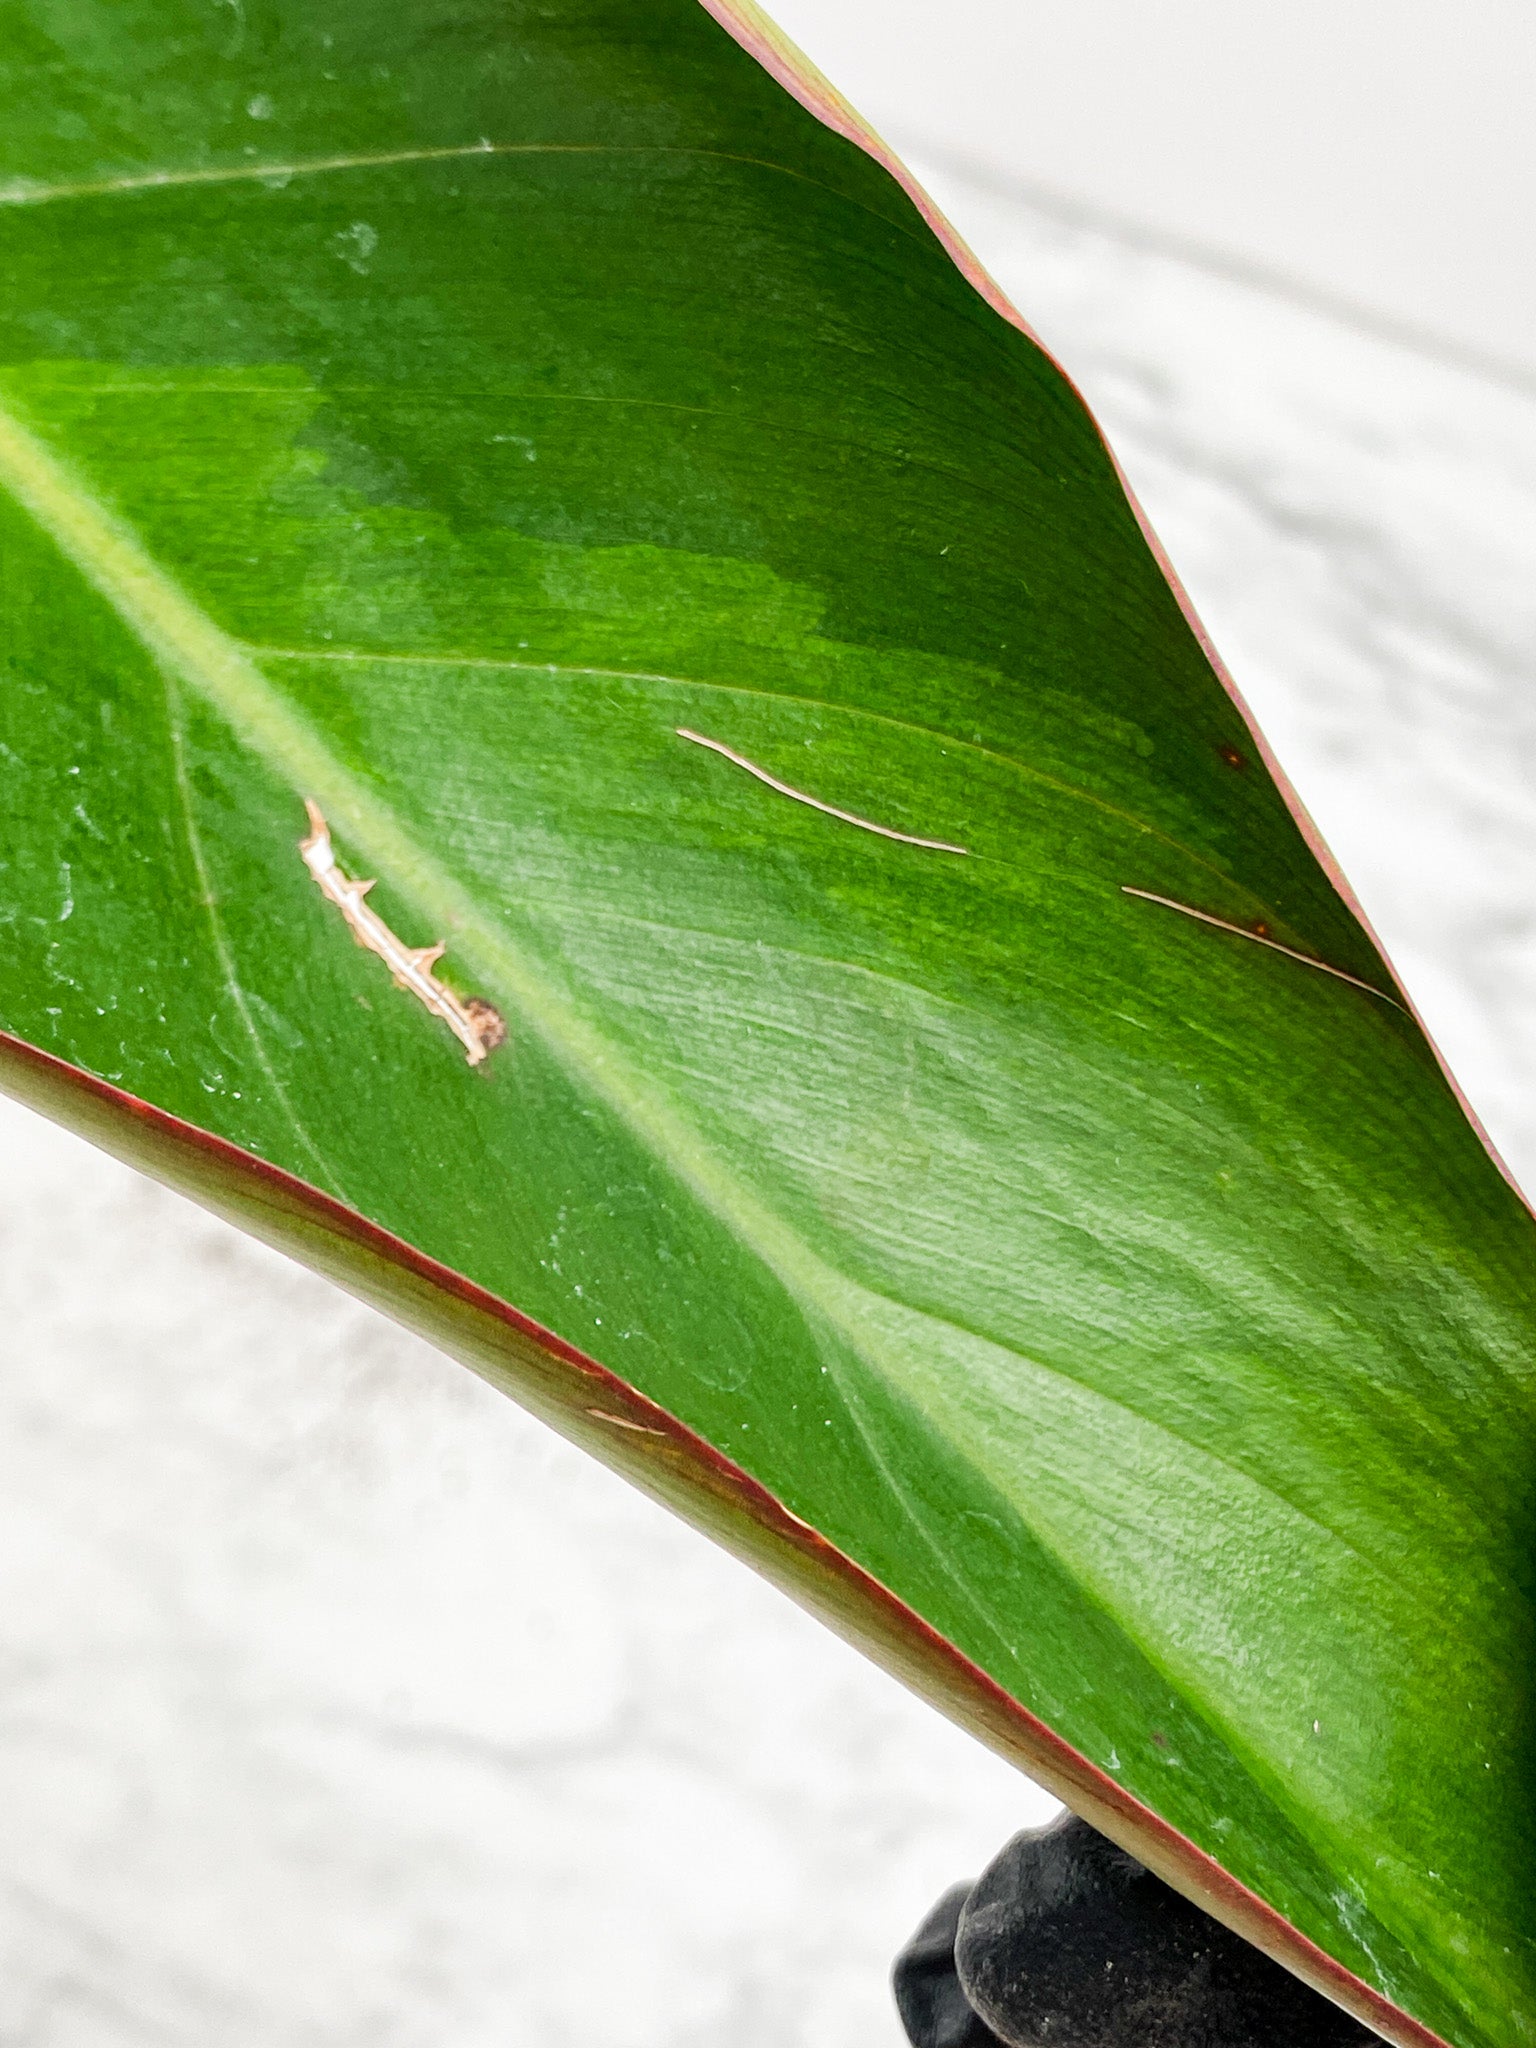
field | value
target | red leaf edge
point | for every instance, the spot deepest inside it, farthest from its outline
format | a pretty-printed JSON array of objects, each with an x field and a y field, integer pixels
[
  {"x": 764, "y": 40},
  {"x": 601, "y": 1413}
]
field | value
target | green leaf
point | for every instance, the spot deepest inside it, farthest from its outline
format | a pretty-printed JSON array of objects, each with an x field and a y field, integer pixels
[{"x": 1061, "y": 1262}]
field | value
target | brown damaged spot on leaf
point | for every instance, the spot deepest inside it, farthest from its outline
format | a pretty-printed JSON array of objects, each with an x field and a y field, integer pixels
[
  {"x": 476, "y": 1024},
  {"x": 1233, "y": 756},
  {"x": 488, "y": 1022}
]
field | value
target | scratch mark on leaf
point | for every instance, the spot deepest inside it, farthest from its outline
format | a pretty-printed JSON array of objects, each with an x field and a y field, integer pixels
[
  {"x": 623, "y": 1422},
  {"x": 477, "y": 1026},
  {"x": 952, "y": 741},
  {"x": 1262, "y": 938},
  {"x": 800, "y": 797}
]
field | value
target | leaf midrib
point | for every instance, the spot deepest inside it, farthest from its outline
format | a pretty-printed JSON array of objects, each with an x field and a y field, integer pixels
[
  {"x": 181, "y": 636},
  {"x": 175, "y": 630},
  {"x": 186, "y": 642}
]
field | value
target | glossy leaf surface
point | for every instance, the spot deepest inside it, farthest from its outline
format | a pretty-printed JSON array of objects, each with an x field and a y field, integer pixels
[{"x": 435, "y": 409}]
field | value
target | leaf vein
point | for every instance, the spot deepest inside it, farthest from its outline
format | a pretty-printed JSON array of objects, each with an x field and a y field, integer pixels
[
  {"x": 23, "y": 192},
  {"x": 224, "y": 954},
  {"x": 1074, "y": 792}
]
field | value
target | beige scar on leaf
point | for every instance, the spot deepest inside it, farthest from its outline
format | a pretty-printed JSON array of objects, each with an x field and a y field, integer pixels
[{"x": 477, "y": 1026}]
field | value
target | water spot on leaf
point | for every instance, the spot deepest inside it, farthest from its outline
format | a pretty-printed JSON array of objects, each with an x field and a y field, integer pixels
[{"x": 355, "y": 245}]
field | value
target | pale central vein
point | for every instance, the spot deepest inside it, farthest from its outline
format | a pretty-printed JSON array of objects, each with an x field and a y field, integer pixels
[
  {"x": 188, "y": 643},
  {"x": 185, "y": 641}
]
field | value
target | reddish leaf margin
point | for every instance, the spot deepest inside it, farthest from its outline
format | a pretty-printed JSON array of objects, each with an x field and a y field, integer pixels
[{"x": 602, "y": 1414}]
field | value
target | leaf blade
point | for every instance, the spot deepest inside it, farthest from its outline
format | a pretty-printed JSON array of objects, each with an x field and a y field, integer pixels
[{"x": 894, "y": 1130}]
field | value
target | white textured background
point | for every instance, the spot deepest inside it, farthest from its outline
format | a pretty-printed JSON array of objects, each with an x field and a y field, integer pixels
[
  {"x": 1381, "y": 153},
  {"x": 342, "y": 1705}
]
